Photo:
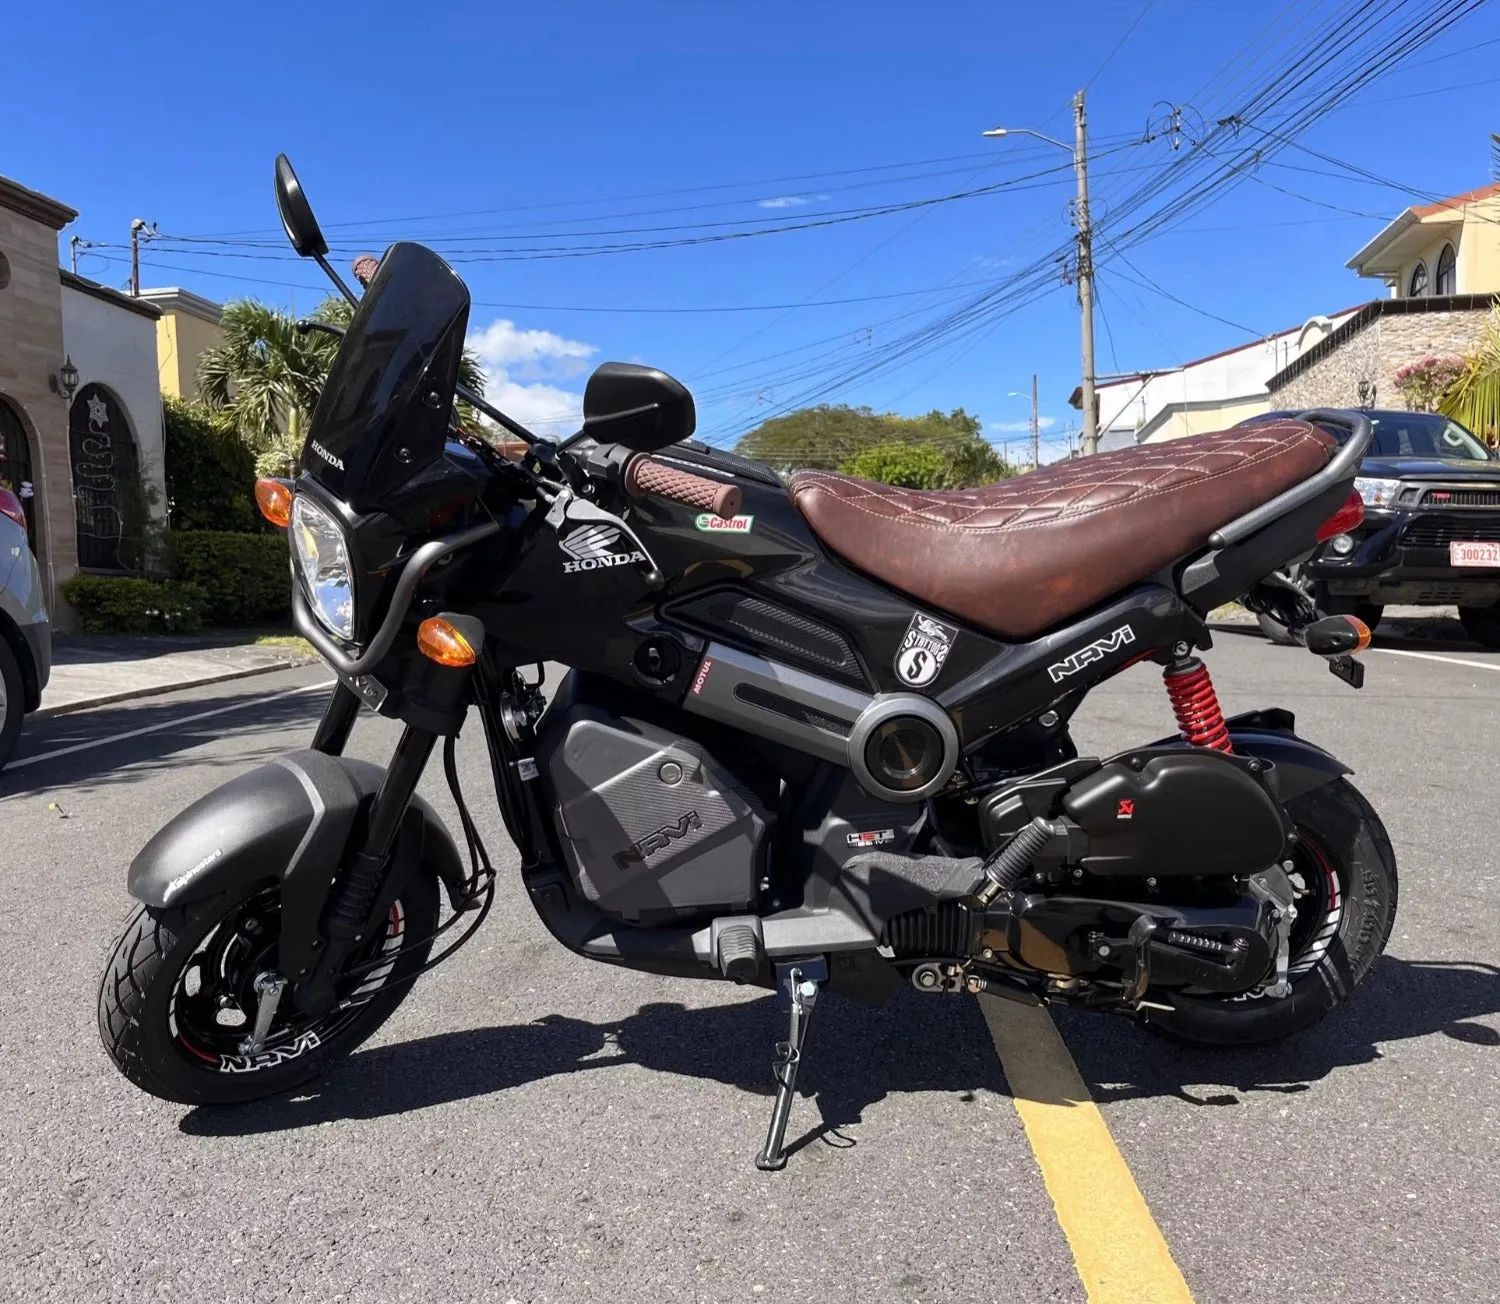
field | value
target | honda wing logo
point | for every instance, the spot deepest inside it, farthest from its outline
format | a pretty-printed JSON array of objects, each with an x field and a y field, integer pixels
[
  {"x": 596, "y": 546},
  {"x": 638, "y": 852},
  {"x": 1095, "y": 651}
]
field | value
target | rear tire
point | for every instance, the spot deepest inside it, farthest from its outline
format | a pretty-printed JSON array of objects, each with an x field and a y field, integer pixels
[
  {"x": 12, "y": 702},
  {"x": 1346, "y": 928},
  {"x": 1482, "y": 624},
  {"x": 146, "y": 994}
]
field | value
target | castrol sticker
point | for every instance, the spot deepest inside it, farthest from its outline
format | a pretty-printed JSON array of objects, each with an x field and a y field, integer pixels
[{"x": 711, "y": 524}]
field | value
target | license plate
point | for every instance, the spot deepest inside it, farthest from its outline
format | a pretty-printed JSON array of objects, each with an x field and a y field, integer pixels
[{"x": 1474, "y": 554}]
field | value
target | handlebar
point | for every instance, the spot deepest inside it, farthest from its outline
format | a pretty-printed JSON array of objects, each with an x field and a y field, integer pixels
[{"x": 645, "y": 476}]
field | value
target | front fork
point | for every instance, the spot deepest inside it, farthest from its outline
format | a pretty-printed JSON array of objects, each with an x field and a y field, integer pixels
[{"x": 438, "y": 696}]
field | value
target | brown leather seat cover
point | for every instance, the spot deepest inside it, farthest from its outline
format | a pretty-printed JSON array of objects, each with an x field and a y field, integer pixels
[{"x": 1022, "y": 555}]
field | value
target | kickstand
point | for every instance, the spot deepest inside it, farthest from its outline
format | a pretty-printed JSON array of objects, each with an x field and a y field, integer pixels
[{"x": 798, "y": 986}]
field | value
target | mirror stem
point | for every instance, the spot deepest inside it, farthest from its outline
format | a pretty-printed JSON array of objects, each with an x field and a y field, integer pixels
[
  {"x": 338, "y": 280},
  {"x": 495, "y": 414}
]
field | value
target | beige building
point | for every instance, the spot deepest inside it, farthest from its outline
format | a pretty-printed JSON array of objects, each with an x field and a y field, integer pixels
[
  {"x": 1439, "y": 250},
  {"x": 80, "y": 404},
  {"x": 187, "y": 329}
]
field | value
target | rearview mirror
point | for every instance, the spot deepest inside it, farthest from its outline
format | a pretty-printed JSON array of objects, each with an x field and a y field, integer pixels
[
  {"x": 640, "y": 407},
  {"x": 296, "y": 213}
]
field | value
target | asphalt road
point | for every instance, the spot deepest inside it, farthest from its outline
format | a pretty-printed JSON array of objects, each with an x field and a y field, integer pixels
[{"x": 532, "y": 1127}]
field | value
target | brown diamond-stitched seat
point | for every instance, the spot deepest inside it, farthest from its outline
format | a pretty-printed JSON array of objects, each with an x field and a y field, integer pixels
[{"x": 1022, "y": 555}]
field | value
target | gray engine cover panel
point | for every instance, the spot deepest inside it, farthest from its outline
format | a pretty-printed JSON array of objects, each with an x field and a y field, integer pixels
[{"x": 640, "y": 847}]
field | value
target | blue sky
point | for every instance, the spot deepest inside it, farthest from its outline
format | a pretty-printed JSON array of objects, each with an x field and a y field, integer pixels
[{"x": 541, "y": 128}]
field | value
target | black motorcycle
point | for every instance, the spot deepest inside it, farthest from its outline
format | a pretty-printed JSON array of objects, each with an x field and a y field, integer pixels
[{"x": 814, "y": 734}]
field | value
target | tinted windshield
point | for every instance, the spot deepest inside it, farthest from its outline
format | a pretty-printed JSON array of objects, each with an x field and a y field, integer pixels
[
  {"x": 383, "y": 415},
  {"x": 1424, "y": 434}
]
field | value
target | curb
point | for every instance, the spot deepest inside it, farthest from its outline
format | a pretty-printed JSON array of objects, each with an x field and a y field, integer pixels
[{"x": 160, "y": 690}]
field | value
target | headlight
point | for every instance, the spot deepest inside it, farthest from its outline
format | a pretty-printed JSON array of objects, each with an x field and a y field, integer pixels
[
  {"x": 322, "y": 559},
  {"x": 1377, "y": 493}
]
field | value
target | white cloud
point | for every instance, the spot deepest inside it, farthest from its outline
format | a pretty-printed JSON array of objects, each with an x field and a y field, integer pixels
[
  {"x": 522, "y": 368},
  {"x": 1019, "y": 427},
  {"x": 503, "y": 347},
  {"x": 783, "y": 201}
]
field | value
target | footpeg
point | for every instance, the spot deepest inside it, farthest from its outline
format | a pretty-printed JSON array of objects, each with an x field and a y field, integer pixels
[
  {"x": 798, "y": 985},
  {"x": 737, "y": 950}
]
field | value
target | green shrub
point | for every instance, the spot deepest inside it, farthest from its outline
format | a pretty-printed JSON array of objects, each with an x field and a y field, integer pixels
[
  {"x": 210, "y": 471},
  {"x": 244, "y": 577},
  {"x": 122, "y": 604}
]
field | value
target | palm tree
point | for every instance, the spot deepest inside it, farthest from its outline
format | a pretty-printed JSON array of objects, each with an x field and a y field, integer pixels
[
  {"x": 1474, "y": 398},
  {"x": 267, "y": 376}
]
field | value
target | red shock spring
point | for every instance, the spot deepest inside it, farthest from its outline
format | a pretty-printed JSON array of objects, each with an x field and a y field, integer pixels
[{"x": 1196, "y": 704}]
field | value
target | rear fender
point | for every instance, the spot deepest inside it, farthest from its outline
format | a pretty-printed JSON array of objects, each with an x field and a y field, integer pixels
[
  {"x": 1297, "y": 766},
  {"x": 291, "y": 820}
]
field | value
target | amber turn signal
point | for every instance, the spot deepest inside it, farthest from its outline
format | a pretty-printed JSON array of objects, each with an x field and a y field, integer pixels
[
  {"x": 439, "y": 641},
  {"x": 274, "y": 498},
  {"x": 1362, "y": 634}
]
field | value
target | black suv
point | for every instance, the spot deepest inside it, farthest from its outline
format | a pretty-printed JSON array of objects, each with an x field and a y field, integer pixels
[{"x": 1431, "y": 533}]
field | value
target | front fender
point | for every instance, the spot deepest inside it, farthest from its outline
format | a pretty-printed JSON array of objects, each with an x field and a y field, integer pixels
[{"x": 289, "y": 819}]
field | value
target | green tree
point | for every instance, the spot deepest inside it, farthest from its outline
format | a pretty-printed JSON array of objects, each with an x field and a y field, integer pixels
[
  {"x": 210, "y": 470},
  {"x": 825, "y": 437},
  {"x": 914, "y": 466},
  {"x": 1474, "y": 398},
  {"x": 918, "y": 464},
  {"x": 266, "y": 376}
]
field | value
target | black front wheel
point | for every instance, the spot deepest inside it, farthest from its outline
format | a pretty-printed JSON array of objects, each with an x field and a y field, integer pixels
[
  {"x": 179, "y": 997},
  {"x": 1344, "y": 879}
]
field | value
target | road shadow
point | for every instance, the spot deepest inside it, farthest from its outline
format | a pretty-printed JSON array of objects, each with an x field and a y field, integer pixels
[
  {"x": 1401, "y": 1000},
  {"x": 287, "y": 721},
  {"x": 857, "y": 1057},
  {"x": 854, "y": 1058}
]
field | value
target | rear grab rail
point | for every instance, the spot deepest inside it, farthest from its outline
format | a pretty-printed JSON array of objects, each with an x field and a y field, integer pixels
[{"x": 1341, "y": 466}]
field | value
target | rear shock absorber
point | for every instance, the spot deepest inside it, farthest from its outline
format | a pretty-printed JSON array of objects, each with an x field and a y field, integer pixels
[{"x": 1196, "y": 704}]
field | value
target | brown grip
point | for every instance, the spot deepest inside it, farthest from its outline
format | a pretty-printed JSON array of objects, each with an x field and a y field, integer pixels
[{"x": 643, "y": 476}]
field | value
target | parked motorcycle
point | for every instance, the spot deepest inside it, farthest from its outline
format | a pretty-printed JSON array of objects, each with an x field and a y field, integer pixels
[{"x": 815, "y": 734}]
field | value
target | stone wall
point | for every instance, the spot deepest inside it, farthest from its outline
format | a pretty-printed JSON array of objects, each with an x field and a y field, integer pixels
[
  {"x": 31, "y": 351},
  {"x": 1377, "y": 353}
]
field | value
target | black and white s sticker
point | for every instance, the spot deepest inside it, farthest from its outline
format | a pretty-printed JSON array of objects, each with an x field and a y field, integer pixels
[{"x": 923, "y": 650}]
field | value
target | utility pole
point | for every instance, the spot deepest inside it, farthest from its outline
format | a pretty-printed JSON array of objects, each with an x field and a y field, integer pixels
[
  {"x": 137, "y": 225},
  {"x": 1085, "y": 275},
  {"x": 1036, "y": 429},
  {"x": 1080, "y": 153}
]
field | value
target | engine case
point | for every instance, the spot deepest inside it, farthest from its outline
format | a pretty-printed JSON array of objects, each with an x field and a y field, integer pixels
[
  {"x": 1177, "y": 811},
  {"x": 653, "y": 828}
]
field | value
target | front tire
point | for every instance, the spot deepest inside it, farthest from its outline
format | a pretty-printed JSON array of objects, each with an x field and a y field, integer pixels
[
  {"x": 1346, "y": 907},
  {"x": 177, "y": 997}
]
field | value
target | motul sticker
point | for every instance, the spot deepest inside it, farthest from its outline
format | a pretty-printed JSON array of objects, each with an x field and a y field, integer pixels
[
  {"x": 924, "y": 649},
  {"x": 871, "y": 838},
  {"x": 711, "y": 524},
  {"x": 708, "y": 664}
]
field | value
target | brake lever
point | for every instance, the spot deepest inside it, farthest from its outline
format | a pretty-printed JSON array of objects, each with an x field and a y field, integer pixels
[{"x": 566, "y": 506}]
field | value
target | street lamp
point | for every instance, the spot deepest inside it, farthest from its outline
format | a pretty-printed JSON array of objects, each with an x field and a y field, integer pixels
[
  {"x": 1079, "y": 153},
  {"x": 67, "y": 378}
]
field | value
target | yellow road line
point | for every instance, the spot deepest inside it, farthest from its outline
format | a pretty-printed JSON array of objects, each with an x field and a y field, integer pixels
[{"x": 1117, "y": 1247}]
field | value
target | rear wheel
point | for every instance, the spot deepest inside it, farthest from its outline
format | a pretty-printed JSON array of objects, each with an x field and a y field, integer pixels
[
  {"x": 178, "y": 998},
  {"x": 1482, "y": 624},
  {"x": 1344, "y": 874}
]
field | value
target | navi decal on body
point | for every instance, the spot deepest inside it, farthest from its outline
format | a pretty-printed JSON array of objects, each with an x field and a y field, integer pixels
[
  {"x": 1095, "y": 651},
  {"x": 595, "y": 546},
  {"x": 924, "y": 649}
]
